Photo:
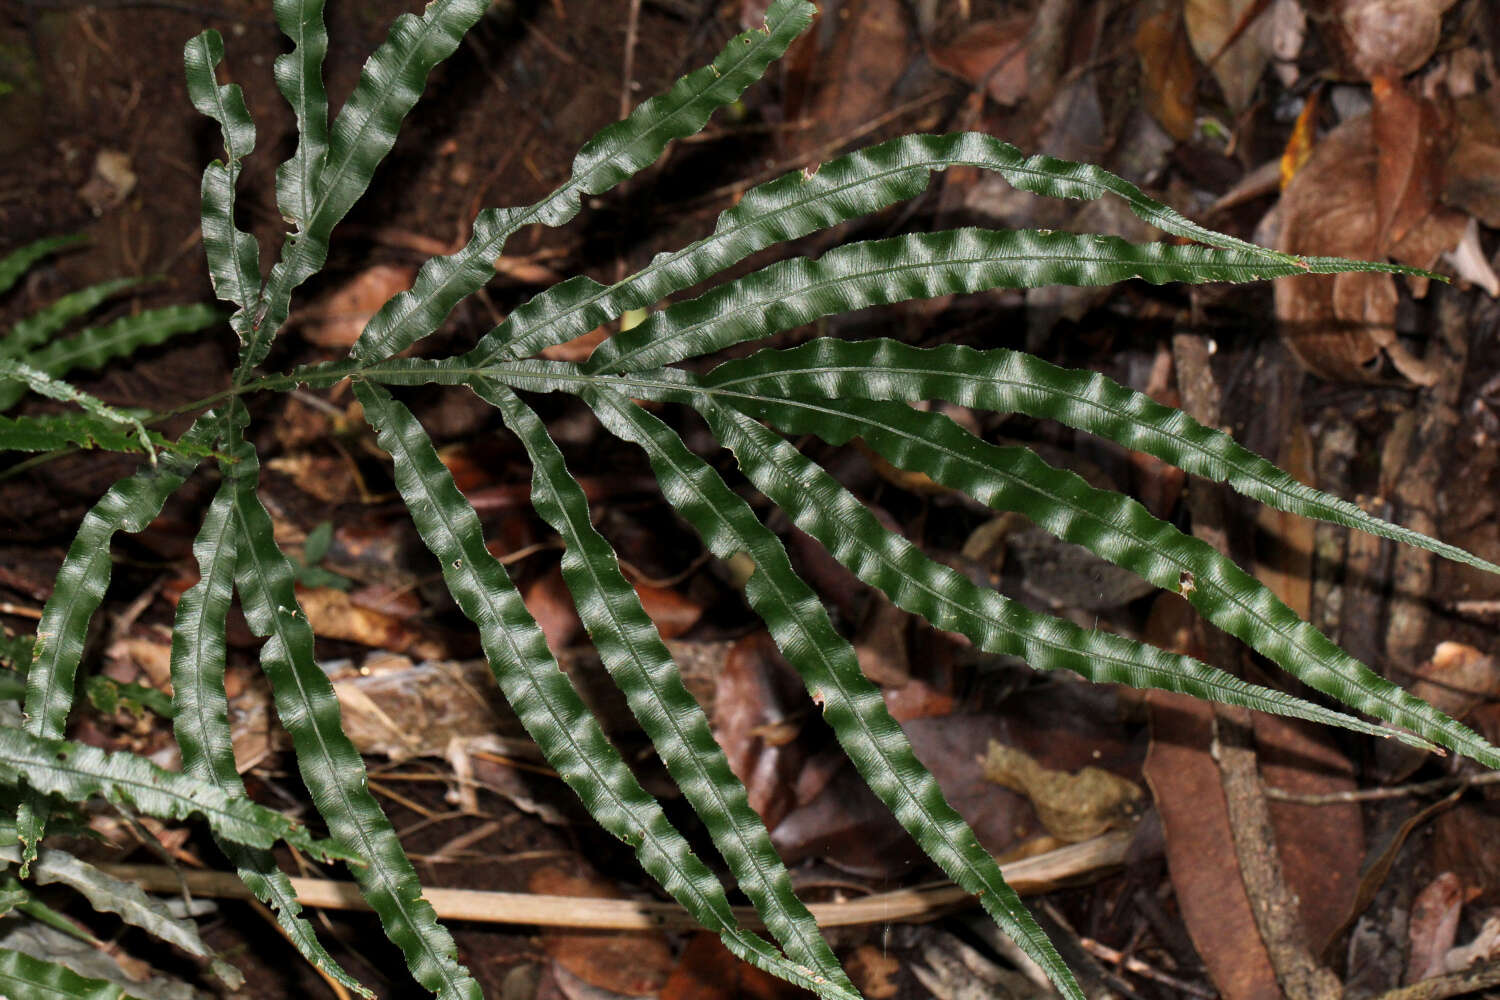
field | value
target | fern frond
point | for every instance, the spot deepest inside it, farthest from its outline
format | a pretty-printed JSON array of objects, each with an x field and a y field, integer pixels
[
  {"x": 916, "y": 583},
  {"x": 1117, "y": 528},
  {"x": 852, "y": 706},
  {"x": 1011, "y": 382},
  {"x": 541, "y": 694},
  {"x": 108, "y": 894},
  {"x": 65, "y": 430},
  {"x": 78, "y": 771},
  {"x": 638, "y": 660},
  {"x": 104, "y": 417},
  {"x": 25, "y": 978},
  {"x": 233, "y": 255},
  {"x": 94, "y": 346},
  {"x": 614, "y": 154},
  {"x": 299, "y": 75},
  {"x": 803, "y": 202},
  {"x": 201, "y": 723},
  {"x": 919, "y": 266},
  {"x": 19, "y": 261},
  {"x": 330, "y": 766},
  {"x": 129, "y": 505},
  {"x": 35, "y": 329},
  {"x": 361, "y": 136}
]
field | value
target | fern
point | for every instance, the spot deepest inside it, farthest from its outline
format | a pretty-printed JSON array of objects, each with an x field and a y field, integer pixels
[
  {"x": 32, "y": 355},
  {"x": 835, "y": 390}
]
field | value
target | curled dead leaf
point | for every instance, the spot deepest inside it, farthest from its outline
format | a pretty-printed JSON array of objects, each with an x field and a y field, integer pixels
[
  {"x": 1343, "y": 327},
  {"x": 1371, "y": 38}
]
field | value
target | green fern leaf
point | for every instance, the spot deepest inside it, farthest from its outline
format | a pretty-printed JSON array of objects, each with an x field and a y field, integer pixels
[
  {"x": 18, "y": 262},
  {"x": 56, "y": 431},
  {"x": 39, "y": 326},
  {"x": 852, "y": 706},
  {"x": 25, "y": 978},
  {"x": 1009, "y": 381},
  {"x": 201, "y": 720},
  {"x": 803, "y": 202},
  {"x": 361, "y": 136},
  {"x": 541, "y": 693},
  {"x": 129, "y": 505},
  {"x": 94, "y": 346},
  {"x": 13, "y": 374},
  {"x": 77, "y": 772},
  {"x": 923, "y": 265},
  {"x": 108, "y": 894},
  {"x": 330, "y": 766},
  {"x": 1117, "y": 528},
  {"x": 638, "y": 660},
  {"x": 233, "y": 255},
  {"x": 299, "y": 74},
  {"x": 1108, "y": 524},
  {"x": 615, "y": 153}
]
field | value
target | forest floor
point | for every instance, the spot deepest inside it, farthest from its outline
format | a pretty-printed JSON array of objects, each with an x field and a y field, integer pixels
[{"x": 1309, "y": 129}]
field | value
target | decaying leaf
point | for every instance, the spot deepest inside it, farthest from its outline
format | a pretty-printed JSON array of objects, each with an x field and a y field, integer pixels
[
  {"x": 1341, "y": 327},
  {"x": 338, "y": 320},
  {"x": 1434, "y": 926},
  {"x": 628, "y": 963},
  {"x": 1457, "y": 678},
  {"x": 1373, "y": 38},
  {"x": 991, "y": 54},
  {"x": 1236, "y": 62},
  {"x": 1072, "y": 807},
  {"x": 1471, "y": 182},
  {"x": 1168, "y": 75}
]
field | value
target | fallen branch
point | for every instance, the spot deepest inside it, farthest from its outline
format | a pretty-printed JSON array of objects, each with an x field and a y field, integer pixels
[{"x": 1032, "y": 875}]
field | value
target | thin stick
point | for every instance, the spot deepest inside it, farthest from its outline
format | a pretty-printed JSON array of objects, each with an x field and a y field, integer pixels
[
  {"x": 1377, "y": 794},
  {"x": 1032, "y": 875},
  {"x": 1132, "y": 964},
  {"x": 632, "y": 27}
]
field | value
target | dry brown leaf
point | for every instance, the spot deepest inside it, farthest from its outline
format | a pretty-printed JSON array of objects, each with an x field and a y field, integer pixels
[
  {"x": 1457, "y": 678},
  {"x": 838, "y": 87},
  {"x": 991, "y": 53},
  {"x": 707, "y": 971},
  {"x": 111, "y": 182},
  {"x": 871, "y": 969},
  {"x": 1471, "y": 181},
  {"x": 340, "y": 318},
  {"x": 334, "y": 615},
  {"x": 671, "y": 611},
  {"x": 629, "y": 963},
  {"x": 1434, "y": 926},
  {"x": 1205, "y": 873},
  {"x": 1320, "y": 846},
  {"x": 330, "y": 478},
  {"x": 1285, "y": 551},
  {"x": 1340, "y": 326},
  {"x": 881, "y": 645},
  {"x": 1411, "y": 140},
  {"x": 756, "y": 690},
  {"x": 579, "y": 348},
  {"x": 1210, "y": 24},
  {"x": 1373, "y": 38},
  {"x": 551, "y": 604},
  {"x": 1168, "y": 74}
]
